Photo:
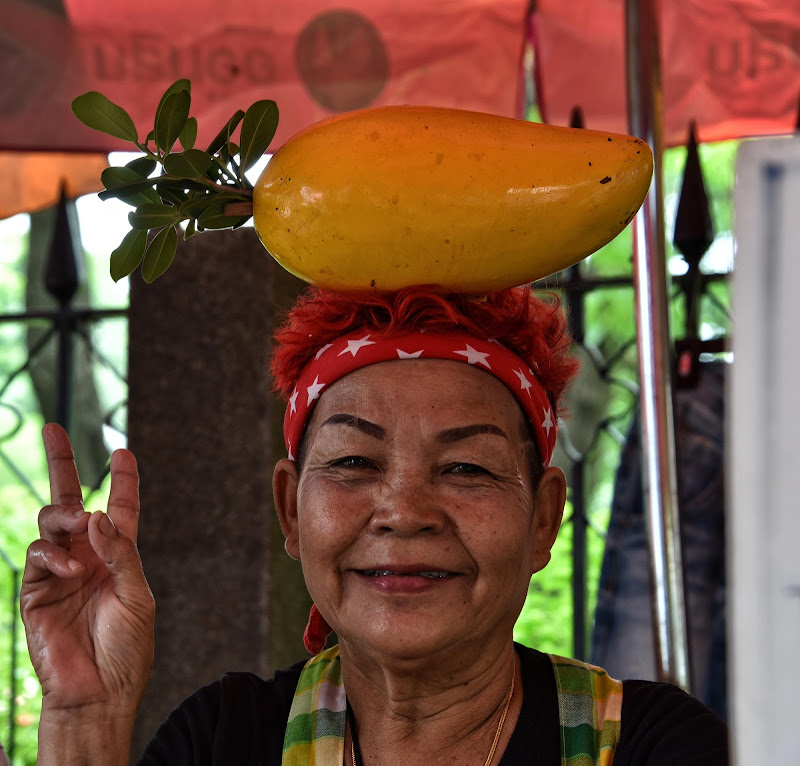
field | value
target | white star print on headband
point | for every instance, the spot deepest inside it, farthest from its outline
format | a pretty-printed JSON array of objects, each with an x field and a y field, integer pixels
[{"x": 360, "y": 349}]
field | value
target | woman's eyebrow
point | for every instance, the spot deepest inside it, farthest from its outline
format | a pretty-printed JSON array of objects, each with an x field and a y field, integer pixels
[
  {"x": 365, "y": 426},
  {"x": 464, "y": 432}
]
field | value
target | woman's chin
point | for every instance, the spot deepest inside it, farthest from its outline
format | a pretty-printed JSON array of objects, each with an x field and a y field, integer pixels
[
  {"x": 405, "y": 637},
  {"x": 392, "y": 644}
]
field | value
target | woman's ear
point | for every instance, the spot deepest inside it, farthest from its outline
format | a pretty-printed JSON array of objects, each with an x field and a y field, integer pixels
[
  {"x": 284, "y": 489},
  {"x": 547, "y": 515}
]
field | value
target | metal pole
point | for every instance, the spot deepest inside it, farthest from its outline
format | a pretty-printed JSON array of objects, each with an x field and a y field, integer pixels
[
  {"x": 578, "y": 561},
  {"x": 577, "y": 328},
  {"x": 652, "y": 324}
]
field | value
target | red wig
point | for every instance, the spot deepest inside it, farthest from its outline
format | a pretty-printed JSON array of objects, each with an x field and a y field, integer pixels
[{"x": 534, "y": 329}]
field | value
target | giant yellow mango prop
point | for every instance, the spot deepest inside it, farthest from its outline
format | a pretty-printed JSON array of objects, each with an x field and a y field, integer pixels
[{"x": 388, "y": 197}]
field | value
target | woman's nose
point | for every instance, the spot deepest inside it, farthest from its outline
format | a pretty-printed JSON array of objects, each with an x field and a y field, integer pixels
[{"x": 408, "y": 506}]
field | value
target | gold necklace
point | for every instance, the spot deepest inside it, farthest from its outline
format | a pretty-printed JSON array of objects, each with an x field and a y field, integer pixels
[{"x": 490, "y": 757}]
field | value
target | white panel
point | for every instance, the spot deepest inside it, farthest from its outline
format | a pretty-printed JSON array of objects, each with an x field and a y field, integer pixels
[{"x": 764, "y": 469}]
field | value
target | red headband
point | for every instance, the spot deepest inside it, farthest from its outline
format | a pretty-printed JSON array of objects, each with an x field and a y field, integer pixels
[{"x": 362, "y": 348}]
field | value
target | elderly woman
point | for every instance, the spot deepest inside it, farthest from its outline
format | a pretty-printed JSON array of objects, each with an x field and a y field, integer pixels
[{"x": 418, "y": 495}]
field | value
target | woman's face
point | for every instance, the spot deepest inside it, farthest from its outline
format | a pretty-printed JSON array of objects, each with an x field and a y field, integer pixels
[{"x": 414, "y": 514}]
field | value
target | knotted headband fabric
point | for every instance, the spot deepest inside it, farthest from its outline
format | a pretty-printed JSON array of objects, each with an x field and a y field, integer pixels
[{"x": 362, "y": 348}]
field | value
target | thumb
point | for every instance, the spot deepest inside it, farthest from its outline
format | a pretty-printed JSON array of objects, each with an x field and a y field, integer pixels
[{"x": 120, "y": 555}]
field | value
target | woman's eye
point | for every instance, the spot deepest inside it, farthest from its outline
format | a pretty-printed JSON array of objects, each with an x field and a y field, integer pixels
[
  {"x": 352, "y": 461},
  {"x": 470, "y": 469}
]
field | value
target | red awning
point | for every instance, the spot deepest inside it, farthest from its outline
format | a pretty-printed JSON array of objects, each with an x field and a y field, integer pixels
[
  {"x": 731, "y": 65},
  {"x": 313, "y": 57}
]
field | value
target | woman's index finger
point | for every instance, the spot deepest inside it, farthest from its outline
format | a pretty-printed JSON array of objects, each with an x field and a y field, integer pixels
[
  {"x": 65, "y": 486},
  {"x": 123, "y": 499}
]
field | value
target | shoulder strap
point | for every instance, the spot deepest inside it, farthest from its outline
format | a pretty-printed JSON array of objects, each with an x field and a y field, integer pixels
[
  {"x": 317, "y": 718},
  {"x": 589, "y": 711}
]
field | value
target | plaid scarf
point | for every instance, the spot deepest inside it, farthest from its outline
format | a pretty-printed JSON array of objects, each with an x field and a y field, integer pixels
[
  {"x": 589, "y": 709},
  {"x": 589, "y": 713}
]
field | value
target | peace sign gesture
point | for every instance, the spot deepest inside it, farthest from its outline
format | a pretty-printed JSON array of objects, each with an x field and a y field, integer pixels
[{"x": 86, "y": 605}]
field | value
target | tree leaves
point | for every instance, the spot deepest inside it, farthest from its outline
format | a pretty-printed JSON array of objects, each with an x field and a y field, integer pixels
[
  {"x": 258, "y": 129},
  {"x": 94, "y": 110},
  {"x": 128, "y": 192},
  {"x": 225, "y": 134},
  {"x": 196, "y": 189},
  {"x": 214, "y": 217},
  {"x": 128, "y": 255},
  {"x": 171, "y": 118},
  {"x": 194, "y": 208},
  {"x": 129, "y": 185},
  {"x": 160, "y": 254},
  {"x": 176, "y": 87},
  {"x": 153, "y": 216},
  {"x": 193, "y": 163},
  {"x": 144, "y": 166},
  {"x": 189, "y": 134}
]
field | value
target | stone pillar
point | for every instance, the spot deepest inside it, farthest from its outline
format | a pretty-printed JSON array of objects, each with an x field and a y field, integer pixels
[{"x": 206, "y": 432}]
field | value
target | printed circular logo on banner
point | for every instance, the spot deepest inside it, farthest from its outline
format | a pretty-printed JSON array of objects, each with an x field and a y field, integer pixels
[{"x": 342, "y": 60}]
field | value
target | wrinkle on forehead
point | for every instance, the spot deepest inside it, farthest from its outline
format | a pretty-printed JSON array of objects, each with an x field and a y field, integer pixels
[{"x": 421, "y": 386}]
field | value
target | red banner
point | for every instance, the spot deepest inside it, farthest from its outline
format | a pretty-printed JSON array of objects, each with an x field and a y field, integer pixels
[
  {"x": 313, "y": 57},
  {"x": 731, "y": 65}
]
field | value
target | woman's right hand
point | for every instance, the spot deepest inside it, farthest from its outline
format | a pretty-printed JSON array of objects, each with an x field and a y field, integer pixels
[{"x": 86, "y": 605}]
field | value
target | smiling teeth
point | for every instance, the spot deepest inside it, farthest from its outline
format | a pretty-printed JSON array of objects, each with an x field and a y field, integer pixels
[{"x": 387, "y": 572}]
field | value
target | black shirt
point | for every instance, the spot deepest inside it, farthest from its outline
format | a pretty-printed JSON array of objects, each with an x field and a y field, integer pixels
[{"x": 241, "y": 719}]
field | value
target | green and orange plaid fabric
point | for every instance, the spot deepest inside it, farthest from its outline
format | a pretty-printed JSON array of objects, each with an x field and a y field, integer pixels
[
  {"x": 317, "y": 718},
  {"x": 589, "y": 712},
  {"x": 589, "y": 709}
]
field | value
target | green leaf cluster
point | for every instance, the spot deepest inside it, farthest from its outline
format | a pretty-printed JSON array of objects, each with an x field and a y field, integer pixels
[{"x": 195, "y": 189}]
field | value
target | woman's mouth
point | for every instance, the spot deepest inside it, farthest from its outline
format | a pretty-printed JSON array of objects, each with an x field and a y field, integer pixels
[
  {"x": 405, "y": 581},
  {"x": 430, "y": 575}
]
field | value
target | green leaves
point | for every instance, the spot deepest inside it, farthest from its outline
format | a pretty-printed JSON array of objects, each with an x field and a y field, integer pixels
[
  {"x": 214, "y": 217},
  {"x": 189, "y": 134},
  {"x": 193, "y": 163},
  {"x": 258, "y": 129},
  {"x": 160, "y": 254},
  {"x": 144, "y": 166},
  {"x": 196, "y": 189},
  {"x": 225, "y": 134},
  {"x": 153, "y": 216},
  {"x": 171, "y": 119},
  {"x": 128, "y": 255},
  {"x": 128, "y": 185},
  {"x": 96, "y": 111}
]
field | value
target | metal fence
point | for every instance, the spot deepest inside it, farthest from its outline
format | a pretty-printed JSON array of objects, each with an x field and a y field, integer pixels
[{"x": 597, "y": 448}]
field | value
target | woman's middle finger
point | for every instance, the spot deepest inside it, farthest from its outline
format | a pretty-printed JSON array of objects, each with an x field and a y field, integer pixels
[{"x": 57, "y": 523}]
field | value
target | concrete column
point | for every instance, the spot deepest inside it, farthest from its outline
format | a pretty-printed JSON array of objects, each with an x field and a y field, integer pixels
[{"x": 207, "y": 432}]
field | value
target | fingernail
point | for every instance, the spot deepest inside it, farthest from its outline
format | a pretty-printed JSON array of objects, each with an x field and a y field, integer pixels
[
  {"x": 106, "y": 526},
  {"x": 74, "y": 565},
  {"x": 79, "y": 514}
]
